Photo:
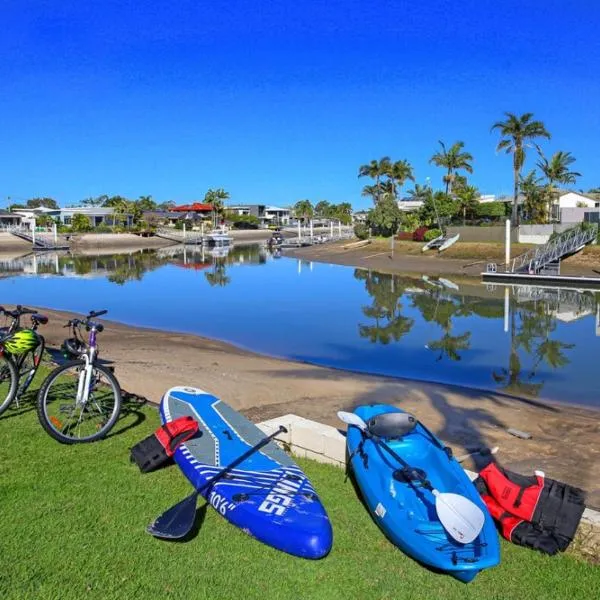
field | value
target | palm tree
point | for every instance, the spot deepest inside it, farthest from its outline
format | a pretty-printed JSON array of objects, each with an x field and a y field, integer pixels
[
  {"x": 420, "y": 192},
  {"x": 467, "y": 197},
  {"x": 557, "y": 170},
  {"x": 370, "y": 190},
  {"x": 516, "y": 132},
  {"x": 400, "y": 171},
  {"x": 375, "y": 170},
  {"x": 303, "y": 209},
  {"x": 535, "y": 194},
  {"x": 216, "y": 198},
  {"x": 452, "y": 159}
]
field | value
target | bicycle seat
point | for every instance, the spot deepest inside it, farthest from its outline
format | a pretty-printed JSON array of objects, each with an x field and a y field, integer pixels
[{"x": 41, "y": 319}]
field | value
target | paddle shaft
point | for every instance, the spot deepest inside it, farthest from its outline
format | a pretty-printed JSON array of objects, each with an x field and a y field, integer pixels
[
  {"x": 426, "y": 483},
  {"x": 177, "y": 521},
  {"x": 241, "y": 459}
]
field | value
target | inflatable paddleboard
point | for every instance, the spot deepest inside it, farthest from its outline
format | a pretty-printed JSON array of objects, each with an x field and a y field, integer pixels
[{"x": 267, "y": 496}]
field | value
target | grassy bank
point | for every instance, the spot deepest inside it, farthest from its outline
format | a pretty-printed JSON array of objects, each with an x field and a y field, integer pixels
[{"x": 73, "y": 525}]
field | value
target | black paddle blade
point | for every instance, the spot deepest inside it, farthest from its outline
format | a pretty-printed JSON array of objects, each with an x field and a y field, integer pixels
[{"x": 176, "y": 522}]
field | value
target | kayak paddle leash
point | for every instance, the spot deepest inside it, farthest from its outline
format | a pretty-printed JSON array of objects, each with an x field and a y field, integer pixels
[
  {"x": 459, "y": 516},
  {"x": 176, "y": 522}
]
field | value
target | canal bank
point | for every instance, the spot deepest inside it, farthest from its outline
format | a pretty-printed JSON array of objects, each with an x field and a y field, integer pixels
[{"x": 563, "y": 439}]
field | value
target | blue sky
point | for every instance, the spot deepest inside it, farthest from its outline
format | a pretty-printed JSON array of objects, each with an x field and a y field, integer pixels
[{"x": 278, "y": 101}]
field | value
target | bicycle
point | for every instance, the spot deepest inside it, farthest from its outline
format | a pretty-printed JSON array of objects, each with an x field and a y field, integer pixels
[
  {"x": 80, "y": 400},
  {"x": 21, "y": 351}
]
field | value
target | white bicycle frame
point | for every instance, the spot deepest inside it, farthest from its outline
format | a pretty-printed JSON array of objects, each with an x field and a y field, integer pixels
[{"x": 85, "y": 377}]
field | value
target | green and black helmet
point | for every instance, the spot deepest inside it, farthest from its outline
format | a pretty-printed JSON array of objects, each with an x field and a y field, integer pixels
[{"x": 21, "y": 341}]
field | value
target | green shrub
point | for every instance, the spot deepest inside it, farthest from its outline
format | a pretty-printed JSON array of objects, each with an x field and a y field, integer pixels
[
  {"x": 102, "y": 228},
  {"x": 361, "y": 231},
  {"x": 431, "y": 234},
  {"x": 491, "y": 210}
]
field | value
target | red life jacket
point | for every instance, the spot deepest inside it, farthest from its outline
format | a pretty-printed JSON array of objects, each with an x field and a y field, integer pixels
[
  {"x": 157, "y": 449},
  {"x": 537, "y": 511}
]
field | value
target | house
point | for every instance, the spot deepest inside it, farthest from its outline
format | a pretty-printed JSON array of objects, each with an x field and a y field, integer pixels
[
  {"x": 162, "y": 217},
  {"x": 408, "y": 206},
  {"x": 572, "y": 207},
  {"x": 360, "y": 216},
  {"x": 197, "y": 211},
  {"x": 267, "y": 215},
  {"x": 64, "y": 216},
  {"x": 9, "y": 219}
]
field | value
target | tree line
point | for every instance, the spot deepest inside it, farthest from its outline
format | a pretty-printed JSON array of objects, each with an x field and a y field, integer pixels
[
  {"x": 304, "y": 209},
  {"x": 518, "y": 135}
]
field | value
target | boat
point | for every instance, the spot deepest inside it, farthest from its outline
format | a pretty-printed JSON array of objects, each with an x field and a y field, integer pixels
[
  {"x": 404, "y": 509},
  {"x": 276, "y": 240},
  {"x": 218, "y": 237},
  {"x": 447, "y": 283},
  {"x": 266, "y": 495},
  {"x": 441, "y": 242}
]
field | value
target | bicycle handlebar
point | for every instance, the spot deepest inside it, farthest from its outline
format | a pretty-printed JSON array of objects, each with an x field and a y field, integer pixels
[
  {"x": 18, "y": 312},
  {"x": 89, "y": 324}
]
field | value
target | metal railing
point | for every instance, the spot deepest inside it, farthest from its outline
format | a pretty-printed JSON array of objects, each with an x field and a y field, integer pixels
[
  {"x": 568, "y": 242},
  {"x": 180, "y": 235},
  {"x": 45, "y": 240}
]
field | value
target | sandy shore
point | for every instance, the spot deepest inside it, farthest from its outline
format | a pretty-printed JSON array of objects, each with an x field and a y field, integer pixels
[
  {"x": 564, "y": 442},
  {"x": 468, "y": 259}
]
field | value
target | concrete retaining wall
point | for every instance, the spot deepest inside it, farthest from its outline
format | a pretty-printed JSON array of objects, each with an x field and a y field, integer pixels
[
  {"x": 326, "y": 444},
  {"x": 474, "y": 233},
  {"x": 540, "y": 234}
]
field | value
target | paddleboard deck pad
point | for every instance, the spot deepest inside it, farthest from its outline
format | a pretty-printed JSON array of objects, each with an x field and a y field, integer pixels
[{"x": 267, "y": 495}]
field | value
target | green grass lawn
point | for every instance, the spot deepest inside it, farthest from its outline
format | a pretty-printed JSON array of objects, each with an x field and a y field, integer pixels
[{"x": 73, "y": 518}]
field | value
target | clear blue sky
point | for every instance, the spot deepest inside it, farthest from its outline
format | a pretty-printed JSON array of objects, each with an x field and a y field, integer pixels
[{"x": 282, "y": 100}]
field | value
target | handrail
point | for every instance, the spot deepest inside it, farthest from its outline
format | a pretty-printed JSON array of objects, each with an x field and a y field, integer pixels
[{"x": 568, "y": 242}]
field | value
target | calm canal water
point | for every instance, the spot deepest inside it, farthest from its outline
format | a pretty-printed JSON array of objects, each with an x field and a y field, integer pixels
[{"x": 534, "y": 342}]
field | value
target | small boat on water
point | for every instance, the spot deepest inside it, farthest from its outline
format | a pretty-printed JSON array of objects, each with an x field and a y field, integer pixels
[
  {"x": 276, "y": 240},
  {"x": 218, "y": 237}
]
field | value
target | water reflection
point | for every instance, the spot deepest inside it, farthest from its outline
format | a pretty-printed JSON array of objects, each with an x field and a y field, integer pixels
[
  {"x": 527, "y": 341},
  {"x": 120, "y": 268},
  {"x": 531, "y": 315}
]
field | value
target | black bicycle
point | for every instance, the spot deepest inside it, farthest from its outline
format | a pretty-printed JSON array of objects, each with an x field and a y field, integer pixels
[
  {"x": 21, "y": 352},
  {"x": 80, "y": 400}
]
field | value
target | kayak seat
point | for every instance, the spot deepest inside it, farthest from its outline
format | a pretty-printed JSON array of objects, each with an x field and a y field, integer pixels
[
  {"x": 392, "y": 425},
  {"x": 409, "y": 475}
]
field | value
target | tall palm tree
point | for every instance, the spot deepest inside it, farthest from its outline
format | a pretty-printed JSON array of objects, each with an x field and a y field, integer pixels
[
  {"x": 515, "y": 133},
  {"x": 216, "y": 198},
  {"x": 375, "y": 170},
  {"x": 399, "y": 172},
  {"x": 556, "y": 171},
  {"x": 452, "y": 159}
]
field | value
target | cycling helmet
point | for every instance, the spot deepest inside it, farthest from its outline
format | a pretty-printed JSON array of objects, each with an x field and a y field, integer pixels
[
  {"x": 21, "y": 341},
  {"x": 72, "y": 348}
]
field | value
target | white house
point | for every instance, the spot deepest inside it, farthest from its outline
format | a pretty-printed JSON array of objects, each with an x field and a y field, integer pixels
[
  {"x": 96, "y": 215},
  {"x": 572, "y": 207},
  {"x": 410, "y": 205}
]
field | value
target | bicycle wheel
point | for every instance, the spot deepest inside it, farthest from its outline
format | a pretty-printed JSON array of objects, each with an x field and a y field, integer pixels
[
  {"x": 70, "y": 422},
  {"x": 8, "y": 382},
  {"x": 28, "y": 366}
]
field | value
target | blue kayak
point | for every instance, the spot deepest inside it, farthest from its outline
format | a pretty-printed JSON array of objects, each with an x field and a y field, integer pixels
[
  {"x": 267, "y": 495},
  {"x": 404, "y": 510}
]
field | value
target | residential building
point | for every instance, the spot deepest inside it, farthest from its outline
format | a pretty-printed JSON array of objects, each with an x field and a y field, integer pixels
[
  {"x": 196, "y": 211},
  {"x": 267, "y": 215},
  {"x": 572, "y": 207},
  {"x": 162, "y": 217},
  {"x": 9, "y": 219},
  {"x": 64, "y": 216}
]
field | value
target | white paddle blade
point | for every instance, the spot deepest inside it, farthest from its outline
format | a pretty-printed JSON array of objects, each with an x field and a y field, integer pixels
[
  {"x": 460, "y": 517},
  {"x": 352, "y": 419}
]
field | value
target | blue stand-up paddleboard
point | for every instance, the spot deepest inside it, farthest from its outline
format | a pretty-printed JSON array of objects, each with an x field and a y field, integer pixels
[
  {"x": 267, "y": 495},
  {"x": 403, "y": 508}
]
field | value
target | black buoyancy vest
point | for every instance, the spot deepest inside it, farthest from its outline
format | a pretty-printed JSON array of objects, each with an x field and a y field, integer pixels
[
  {"x": 537, "y": 511},
  {"x": 157, "y": 449}
]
